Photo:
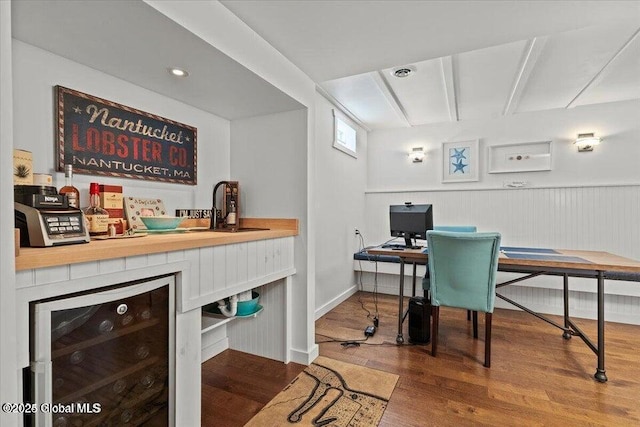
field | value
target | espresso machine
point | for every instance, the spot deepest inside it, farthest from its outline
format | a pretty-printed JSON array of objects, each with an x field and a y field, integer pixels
[{"x": 45, "y": 218}]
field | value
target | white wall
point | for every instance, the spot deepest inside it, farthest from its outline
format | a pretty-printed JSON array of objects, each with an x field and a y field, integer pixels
[
  {"x": 268, "y": 157},
  {"x": 612, "y": 162},
  {"x": 588, "y": 201},
  {"x": 218, "y": 26},
  {"x": 339, "y": 208},
  {"x": 8, "y": 367},
  {"x": 269, "y": 160},
  {"x": 215, "y": 24},
  {"x": 36, "y": 72}
]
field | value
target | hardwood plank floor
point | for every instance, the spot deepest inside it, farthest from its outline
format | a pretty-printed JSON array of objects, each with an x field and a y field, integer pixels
[{"x": 536, "y": 377}]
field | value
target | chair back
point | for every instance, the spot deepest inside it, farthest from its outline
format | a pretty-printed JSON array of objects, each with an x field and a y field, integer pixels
[
  {"x": 456, "y": 228},
  {"x": 426, "y": 285},
  {"x": 463, "y": 268}
]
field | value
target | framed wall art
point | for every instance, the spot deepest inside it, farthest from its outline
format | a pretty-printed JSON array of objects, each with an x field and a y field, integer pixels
[
  {"x": 101, "y": 137},
  {"x": 527, "y": 157},
  {"x": 460, "y": 161}
]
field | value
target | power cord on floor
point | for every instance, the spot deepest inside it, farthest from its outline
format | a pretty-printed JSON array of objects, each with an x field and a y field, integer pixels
[
  {"x": 344, "y": 343},
  {"x": 354, "y": 343},
  {"x": 375, "y": 317}
]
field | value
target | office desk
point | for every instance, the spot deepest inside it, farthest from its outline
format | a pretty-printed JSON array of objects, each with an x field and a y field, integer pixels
[{"x": 534, "y": 262}]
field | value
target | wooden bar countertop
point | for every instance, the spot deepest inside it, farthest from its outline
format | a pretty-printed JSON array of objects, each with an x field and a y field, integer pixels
[{"x": 30, "y": 258}]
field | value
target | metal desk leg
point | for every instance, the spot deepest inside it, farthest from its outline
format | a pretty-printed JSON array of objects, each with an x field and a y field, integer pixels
[
  {"x": 600, "y": 374},
  {"x": 399, "y": 338},
  {"x": 566, "y": 334},
  {"x": 413, "y": 283}
]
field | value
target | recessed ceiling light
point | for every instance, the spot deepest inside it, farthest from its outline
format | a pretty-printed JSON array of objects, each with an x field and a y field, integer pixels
[
  {"x": 402, "y": 72},
  {"x": 178, "y": 72}
]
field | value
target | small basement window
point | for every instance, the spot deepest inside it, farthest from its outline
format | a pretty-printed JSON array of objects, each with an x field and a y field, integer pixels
[{"x": 344, "y": 134}]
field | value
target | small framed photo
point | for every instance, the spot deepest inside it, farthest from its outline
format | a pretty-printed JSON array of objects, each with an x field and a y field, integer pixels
[{"x": 460, "y": 161}]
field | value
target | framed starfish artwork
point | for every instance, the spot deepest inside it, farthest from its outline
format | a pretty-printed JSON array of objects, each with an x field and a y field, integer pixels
[{"x": 460, "y": 161}]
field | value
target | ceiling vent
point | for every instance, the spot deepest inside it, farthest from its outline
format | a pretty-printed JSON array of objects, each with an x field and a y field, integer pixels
[{"x": 402, "y": 72}]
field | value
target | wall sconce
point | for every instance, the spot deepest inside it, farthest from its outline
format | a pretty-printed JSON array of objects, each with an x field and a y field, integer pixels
[
  {"x": 417, "y": 155},
  {"x": 586, "y": 141}
]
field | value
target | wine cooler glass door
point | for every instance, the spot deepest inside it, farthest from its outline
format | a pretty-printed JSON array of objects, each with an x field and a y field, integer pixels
[{"x": 106, "y": 358}]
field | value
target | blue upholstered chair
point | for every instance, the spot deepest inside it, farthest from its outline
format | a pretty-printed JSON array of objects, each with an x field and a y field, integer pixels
[
  {"x": 463, "y": 269},
  {"x": 454, "y": 228}
]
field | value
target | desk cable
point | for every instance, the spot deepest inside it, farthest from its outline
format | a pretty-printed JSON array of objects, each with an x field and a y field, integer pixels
[
  {"x": 356, "y": 343},
  {"x": 375, "y": 317}
]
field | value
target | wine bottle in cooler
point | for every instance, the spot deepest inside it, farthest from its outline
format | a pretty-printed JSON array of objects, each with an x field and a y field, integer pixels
[
  {"x": 77, "y": 357},
  {"x": 147, "y": 380},
  {"x": 144, "y": 313},
  {"x": 142, "y": 351},
  {"x": 119, "y": 386}
]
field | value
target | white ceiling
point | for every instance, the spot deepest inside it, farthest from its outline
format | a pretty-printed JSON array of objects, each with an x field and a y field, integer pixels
[
  {"x": 133, "y": 41},
  {"x": 473, "y": 59}
]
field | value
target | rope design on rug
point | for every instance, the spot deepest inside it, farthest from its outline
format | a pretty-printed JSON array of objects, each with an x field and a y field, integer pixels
[{"x": 352, "y": 407}]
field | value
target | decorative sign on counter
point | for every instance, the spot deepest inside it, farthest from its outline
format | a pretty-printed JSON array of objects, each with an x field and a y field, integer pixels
[
  {"x": 100, "y": 137},
  {"x": 194, "y": 213},
  {"x": 135, "y": 207}
]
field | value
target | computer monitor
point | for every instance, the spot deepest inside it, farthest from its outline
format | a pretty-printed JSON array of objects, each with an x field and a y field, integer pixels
[{"x": 410, "y": 221}]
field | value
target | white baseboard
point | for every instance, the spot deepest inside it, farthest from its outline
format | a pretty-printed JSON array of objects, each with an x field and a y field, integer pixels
[
  {"x": 305, "y": 357},
  {"x": 214, "y": 349},
  {"x": 335, "y": 302}
]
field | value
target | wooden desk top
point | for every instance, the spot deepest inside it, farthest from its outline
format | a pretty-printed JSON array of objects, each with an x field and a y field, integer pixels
[
  {"x": 96, "y": 250},
  {"x": 562, "y": 258}
]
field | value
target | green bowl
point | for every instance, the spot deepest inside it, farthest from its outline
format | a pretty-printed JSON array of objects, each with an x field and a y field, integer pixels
[
  {"x": 161, "y": 222},
  {"x": 248, "y": 307}
]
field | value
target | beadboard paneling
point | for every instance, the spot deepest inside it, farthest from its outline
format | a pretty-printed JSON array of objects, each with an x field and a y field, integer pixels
[
  {"x": 600, "y": 218},
  {"x": 221, "y": 271},
  {"x": 209, "y": 274},
  {"x": 603, "y": 218},
  {"x": 265, "y": 334},
  {"x": 618, "y": 308}
]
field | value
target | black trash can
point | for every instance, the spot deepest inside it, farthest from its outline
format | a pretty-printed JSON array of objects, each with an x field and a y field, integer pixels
[{"x": 419, "y": 320}]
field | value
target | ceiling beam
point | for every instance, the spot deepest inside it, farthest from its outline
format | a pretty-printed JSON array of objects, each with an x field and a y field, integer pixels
[
  {"x": 530, "y": 56},
  {"x": 341, "y": 107},
  {"x": 391, "y": 96},
  {"x": 449, "y": 82},
  {"x": 600, "y": 73}
]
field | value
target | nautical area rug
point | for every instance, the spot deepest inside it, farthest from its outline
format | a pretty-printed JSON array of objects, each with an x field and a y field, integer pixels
[{"x": 330, "y": 393}]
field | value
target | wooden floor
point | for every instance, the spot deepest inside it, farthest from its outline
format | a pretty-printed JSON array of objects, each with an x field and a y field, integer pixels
[{"x": 536, "y": 377}]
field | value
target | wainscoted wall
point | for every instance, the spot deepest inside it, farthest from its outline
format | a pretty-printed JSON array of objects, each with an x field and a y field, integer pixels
[
  {"x": 265, "y": 335},
  {"x": 603, "y": 218},
  {"x": 203, "y": 275}
]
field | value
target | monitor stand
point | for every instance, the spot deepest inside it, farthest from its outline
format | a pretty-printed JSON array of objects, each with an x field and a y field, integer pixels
[{"x": 408, "y": 244}]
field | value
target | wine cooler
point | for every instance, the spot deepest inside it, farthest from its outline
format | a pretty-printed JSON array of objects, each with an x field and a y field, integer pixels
[{"x": 104, "y": 358}]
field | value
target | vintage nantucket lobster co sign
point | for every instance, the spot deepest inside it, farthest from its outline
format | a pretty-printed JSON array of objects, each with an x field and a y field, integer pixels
[{"x": 100, "y": 137}]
